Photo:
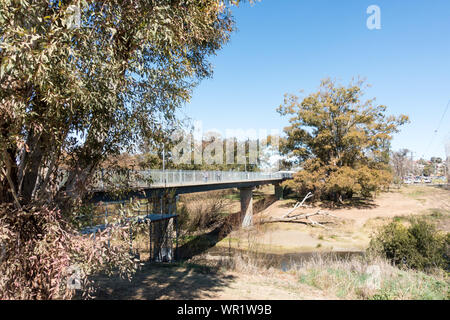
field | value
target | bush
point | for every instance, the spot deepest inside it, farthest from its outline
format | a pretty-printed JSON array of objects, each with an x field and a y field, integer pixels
[
  {"x": 419, "y": 246},
  {"x": 40, "y": 251},
  {"x": 202, "y": 211}
]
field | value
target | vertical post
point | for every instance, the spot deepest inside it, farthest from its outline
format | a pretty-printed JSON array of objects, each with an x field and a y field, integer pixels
[
  {"x": 150, "y": 257},
  {"x": 106, "y": 224},
  {"x": 169, "y": 243},
  {"x": 131, "y": 240},
  {"x": 155, "y": 204},
  {"x": 176, "y": 238},
  {"x": 246, "y": 216},
  {"x": 278, "y": 191}
]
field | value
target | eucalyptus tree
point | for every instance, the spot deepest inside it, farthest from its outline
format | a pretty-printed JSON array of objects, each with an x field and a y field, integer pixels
[
  {"x": 81, "y": 80},
  {"x": 341, "y": 140}
]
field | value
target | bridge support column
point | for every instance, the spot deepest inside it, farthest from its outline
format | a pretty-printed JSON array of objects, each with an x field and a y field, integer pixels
[
  {"x": 162, "y": 232},
  {"x": 165, "y": 204},
  {"x": 246, "y": 206},
  {"x": 278, "y": 191}
]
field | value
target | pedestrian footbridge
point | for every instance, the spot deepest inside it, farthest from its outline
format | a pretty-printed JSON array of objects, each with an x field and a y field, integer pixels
[{"x": 151, "y": 184}]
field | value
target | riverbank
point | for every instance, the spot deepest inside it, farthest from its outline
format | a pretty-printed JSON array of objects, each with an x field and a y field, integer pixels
[
  {"x": 245, "y": 278},
  {"x": 348, "y": 230},
  {"x": 297, "y": 261}
]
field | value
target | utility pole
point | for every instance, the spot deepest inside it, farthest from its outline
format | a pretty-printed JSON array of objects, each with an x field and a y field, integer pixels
[
  {"x": 163, "y": 158},
  {"x": 164, "y": 164}
]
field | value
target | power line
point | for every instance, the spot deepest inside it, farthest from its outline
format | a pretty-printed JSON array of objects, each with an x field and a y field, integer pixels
[
  {"x": 443, "y": 115},
  {"x": 438, "y": 127}
]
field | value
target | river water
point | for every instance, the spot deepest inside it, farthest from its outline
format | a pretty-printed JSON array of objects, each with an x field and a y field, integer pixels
[{"x": 283, "y": 261}]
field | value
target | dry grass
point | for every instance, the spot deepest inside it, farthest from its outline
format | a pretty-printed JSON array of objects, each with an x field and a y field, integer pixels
[
  {"x": 347, "y": 279},
  {"x": 201, "y": 211},
  {"x": 350, "y": 279}
]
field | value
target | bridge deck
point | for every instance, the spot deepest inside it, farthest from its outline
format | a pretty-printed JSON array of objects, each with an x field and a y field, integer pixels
[{"x": 145, "y": 184}]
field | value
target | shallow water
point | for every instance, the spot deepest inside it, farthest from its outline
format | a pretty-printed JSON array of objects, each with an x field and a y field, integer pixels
[{"x": 285, "y": 261}]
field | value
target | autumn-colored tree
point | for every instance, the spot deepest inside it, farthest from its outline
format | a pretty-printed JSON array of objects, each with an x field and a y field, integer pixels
[{"x": 341, "y": 142}]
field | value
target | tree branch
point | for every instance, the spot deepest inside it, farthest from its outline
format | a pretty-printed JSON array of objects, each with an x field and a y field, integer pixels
[{"x": 7, "y": 174}]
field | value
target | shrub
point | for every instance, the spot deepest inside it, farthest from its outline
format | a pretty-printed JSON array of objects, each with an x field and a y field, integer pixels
[
  {"x": 203, "y": 210},
  {"x": 419, "y": 246},
  {"x": 39, "y": 251}
]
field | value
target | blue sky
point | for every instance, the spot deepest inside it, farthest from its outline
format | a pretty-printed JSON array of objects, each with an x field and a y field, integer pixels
[{"x": 283, "y": 46}]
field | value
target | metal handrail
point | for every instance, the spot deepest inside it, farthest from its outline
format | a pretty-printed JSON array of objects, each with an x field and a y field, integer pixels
[{"x": 163, "y": 178}]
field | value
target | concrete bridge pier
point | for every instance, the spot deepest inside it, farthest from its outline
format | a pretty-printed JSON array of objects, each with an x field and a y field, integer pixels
[
  {"x": 162, "y": 231},
  {"x": 164, "y": 204},
  {"x": 278, "y": 191},
  {"x": 246, "y": 215}
]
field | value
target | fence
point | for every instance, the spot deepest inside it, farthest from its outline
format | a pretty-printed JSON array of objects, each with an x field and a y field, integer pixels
[{"x": 163, "y": 178}]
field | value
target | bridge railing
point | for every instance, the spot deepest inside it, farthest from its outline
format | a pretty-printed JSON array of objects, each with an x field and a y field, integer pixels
[{"x": 161, "y": 178}]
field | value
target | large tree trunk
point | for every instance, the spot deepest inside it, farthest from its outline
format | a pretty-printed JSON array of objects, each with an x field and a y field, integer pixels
[
  {"x": 8, "y": 174},
  {"x": 32, "y": 162},
  {"x": 87, "y": 160},
  {"x": 8, "y": 183}
]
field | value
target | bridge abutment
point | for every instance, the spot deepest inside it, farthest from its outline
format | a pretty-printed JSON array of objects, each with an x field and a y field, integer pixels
[{"x": 246, "y": 216}]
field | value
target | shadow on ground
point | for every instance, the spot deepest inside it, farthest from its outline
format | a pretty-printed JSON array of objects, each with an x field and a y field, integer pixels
[
  {"x": 441, "y": 186},
  {"x": 164, "y": 281},
  {"x": 201, "y": 243},
  {"x": 353, "y": 203},
  {"x": 178, "y": 280}
]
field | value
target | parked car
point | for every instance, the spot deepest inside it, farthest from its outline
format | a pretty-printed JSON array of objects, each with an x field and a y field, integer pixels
[{"x": 427, "y": 180}]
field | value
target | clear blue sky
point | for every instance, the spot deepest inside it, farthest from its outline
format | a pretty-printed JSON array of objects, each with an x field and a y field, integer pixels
[{"x": 282, "y": 46}]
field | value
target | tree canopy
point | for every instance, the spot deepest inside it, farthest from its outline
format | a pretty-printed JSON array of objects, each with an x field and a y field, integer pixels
[
  {"x": 71, "y": 95},
  {"x": 341, "y": 141},
  {"x": 80, "y": 82}
]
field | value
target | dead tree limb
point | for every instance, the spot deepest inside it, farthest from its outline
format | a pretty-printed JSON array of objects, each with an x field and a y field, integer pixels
[
  {"x": 300, "y": 218},
  {"x": 299, "y": 204}
]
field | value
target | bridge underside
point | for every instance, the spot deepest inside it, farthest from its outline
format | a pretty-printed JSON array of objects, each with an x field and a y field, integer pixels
[
  {"x": 146, "y": 193},
  {"x": 169, "y": 194}
]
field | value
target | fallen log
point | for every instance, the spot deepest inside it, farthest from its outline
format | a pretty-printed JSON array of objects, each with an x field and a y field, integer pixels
[
  {"x": 299, "y": 218},
  {"x": 303, "y": 216}
]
